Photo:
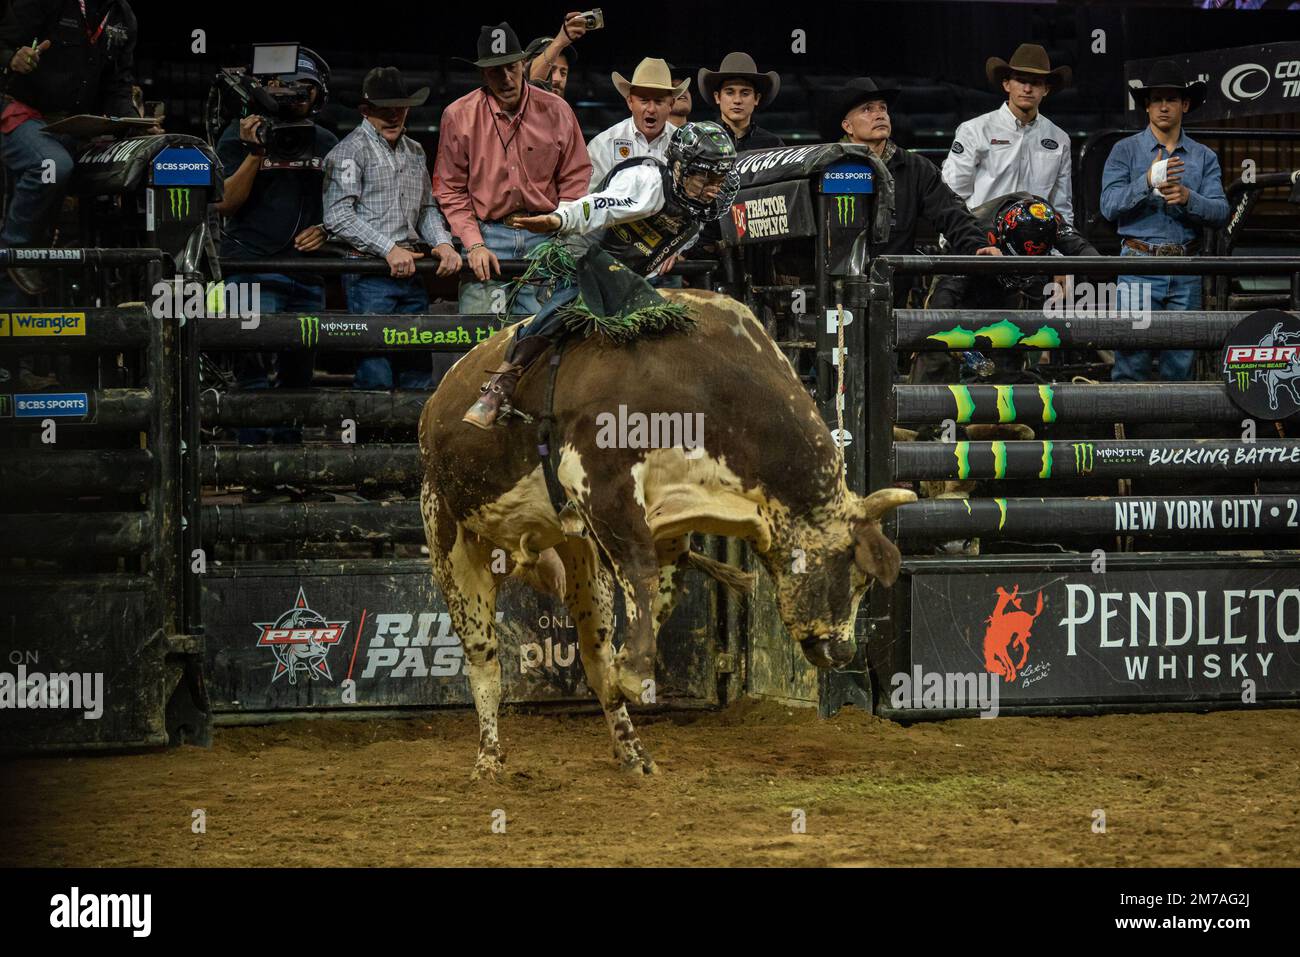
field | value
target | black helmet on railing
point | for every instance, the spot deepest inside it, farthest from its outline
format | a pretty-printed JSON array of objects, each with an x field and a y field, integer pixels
[{"x": 1025, "y": 227}]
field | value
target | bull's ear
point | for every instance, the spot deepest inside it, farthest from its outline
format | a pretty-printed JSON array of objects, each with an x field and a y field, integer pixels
[{"x": 874, "y": 554}]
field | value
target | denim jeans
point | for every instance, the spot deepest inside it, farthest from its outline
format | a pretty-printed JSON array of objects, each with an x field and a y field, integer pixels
[
  {"x": 476, "y": 298},
  {"x": 37, "y": 194},
  {"x": 384, "y": 294},
  {"x": 1167, "y": 293},
  {"x": 277, "y": 293}
]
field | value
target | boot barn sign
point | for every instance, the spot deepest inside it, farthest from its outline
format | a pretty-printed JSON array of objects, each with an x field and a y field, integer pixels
[
  {"x": 1122, "y": 636},
  {"x": 1262, "y": 80}
]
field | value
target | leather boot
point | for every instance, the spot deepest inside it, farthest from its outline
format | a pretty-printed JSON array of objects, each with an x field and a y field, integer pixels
[{"x": 497, "y": 391}]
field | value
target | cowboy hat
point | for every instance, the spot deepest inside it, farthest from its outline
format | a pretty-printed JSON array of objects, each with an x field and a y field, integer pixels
[
  {"x": 852, "y": 94},
  {"x": 499, "y": 35},
  {"x": 536, "y": 48},
  {"x": 1168, "y": 75},
  {"x": 385, "y": 88},
  {"x": 650, "y": 74},
  {"x": 1029, "y": 58},
  {"x": 741, "y": 65}
]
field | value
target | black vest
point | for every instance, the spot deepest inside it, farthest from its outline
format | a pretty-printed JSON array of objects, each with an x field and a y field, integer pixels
[{"x": 643, "y": 245}]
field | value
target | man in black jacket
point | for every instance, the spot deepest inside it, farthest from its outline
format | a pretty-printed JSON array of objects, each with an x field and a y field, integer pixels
[
  {"x": 1019, "y": 224},
  {"x": 861, "y": 112},
  {"x": 60, "y": 58}
]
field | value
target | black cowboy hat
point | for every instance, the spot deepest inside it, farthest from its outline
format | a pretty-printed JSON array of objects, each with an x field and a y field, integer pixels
[
  {"x": 384, "y": 87},
  {"x": 740, "y": 65},
  {"x": 535, "y": 49},
  {"x": 1168, "y": 75},
  {"x": 487, "y": 57},
  {"x": 1029, "y": 58},
  {"x": 848, "y": 96}
]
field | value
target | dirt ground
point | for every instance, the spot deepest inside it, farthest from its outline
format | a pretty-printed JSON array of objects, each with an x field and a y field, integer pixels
[{"x": 1184, "y": 789}]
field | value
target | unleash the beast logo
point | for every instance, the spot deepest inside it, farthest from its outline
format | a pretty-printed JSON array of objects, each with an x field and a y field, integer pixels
[
  {"x": 301, "y": 640},
  {"x": 1007, "y": 630}
]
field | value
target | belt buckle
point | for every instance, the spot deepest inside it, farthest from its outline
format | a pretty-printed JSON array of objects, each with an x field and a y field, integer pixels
[{"x": 1167, "y": 249}]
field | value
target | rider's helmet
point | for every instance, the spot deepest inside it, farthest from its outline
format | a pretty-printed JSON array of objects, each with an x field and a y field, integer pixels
[
  {"x": 703, "y": 148},
  {"x": 1025, "y": 227}
]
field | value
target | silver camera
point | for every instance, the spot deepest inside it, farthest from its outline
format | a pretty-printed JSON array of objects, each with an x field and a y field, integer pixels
[{"x": 595, "y": 18}]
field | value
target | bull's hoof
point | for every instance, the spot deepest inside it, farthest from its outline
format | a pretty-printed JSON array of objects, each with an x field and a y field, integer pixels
[
  {"x": 638, "y": 767},
  {"x": 488, "y": 766},
  {"x": 828, "y": 653}
]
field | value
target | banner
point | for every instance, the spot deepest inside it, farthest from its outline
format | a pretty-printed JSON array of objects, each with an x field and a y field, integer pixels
[
  {"x": 766, "y": 213},
  {"x": 1132, "y": 636},
  {"x": 1261, "y": 80}
]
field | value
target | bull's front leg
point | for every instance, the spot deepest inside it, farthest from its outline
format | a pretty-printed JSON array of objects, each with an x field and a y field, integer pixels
[{"x": 590, "y": 601}]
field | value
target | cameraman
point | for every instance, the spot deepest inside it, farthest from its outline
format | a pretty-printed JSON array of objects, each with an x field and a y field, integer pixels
[
  {"x": 272, "y": 207},
  {"x": 79, "y": 62}
]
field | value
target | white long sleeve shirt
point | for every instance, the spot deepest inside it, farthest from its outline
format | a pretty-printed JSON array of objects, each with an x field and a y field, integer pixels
[
  {"x": 621, "y": 142},
  {"x": 996, "y": 154}
]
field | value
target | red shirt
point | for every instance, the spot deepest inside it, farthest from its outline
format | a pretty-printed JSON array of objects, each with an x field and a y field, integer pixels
[
  {"x": 16, "y": 114},
  {"x": 491, "y": 164}
]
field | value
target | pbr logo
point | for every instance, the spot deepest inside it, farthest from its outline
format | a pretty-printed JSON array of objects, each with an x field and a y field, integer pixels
[
  {"x": 1261, "y": 364},
  {"x": 301, "y": 640}
]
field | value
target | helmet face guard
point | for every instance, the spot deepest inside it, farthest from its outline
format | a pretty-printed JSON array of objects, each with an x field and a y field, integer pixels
[{"x": 703, "y": 149}]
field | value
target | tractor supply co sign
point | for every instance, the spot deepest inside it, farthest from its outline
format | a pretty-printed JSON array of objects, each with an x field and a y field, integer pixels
[
  {"x": 770, "y": 212},
  {"x": 1244, "y": 81},
  {"x": 1123, "y": 636}
]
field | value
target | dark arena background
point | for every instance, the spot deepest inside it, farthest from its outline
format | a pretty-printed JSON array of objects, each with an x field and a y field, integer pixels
[{"x": 222, "y": 642}]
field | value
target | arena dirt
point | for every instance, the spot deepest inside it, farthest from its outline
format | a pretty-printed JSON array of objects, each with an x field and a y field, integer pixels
[{"x": 1187, "y": 789}]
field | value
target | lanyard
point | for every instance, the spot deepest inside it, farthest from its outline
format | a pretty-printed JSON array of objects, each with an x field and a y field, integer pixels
[
  {"x": 518, "y": 121},
  {"x": 92, "y": 35}
]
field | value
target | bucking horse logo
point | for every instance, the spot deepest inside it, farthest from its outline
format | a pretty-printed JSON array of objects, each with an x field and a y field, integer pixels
[{"x": 1008, "y": 630}]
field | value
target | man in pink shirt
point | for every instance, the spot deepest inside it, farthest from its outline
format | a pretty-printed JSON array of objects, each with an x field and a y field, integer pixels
[{"x": 507, "y": 149}]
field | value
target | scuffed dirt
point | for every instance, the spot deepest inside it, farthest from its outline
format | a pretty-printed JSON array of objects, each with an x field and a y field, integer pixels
[{"x": 1176, "y": 790}]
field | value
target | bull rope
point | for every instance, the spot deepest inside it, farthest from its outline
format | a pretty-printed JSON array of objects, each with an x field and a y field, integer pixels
[{"x": 839, "y": 384}]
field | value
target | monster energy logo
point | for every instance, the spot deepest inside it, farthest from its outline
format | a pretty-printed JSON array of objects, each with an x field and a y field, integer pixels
[
  {"x": 1083, "y": 457},
  {"x": 1243, "y": 380},
  {"x": 180, "y": 202},
  {"x": 309, "y": 327},
  {"x": 846, "y": 209}
]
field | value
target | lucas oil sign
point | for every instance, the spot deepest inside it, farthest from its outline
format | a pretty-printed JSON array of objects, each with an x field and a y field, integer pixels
[{"x": 1123, "y": 636}]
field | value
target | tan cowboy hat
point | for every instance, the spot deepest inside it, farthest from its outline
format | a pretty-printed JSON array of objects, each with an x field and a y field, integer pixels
[
  {"x": 742, "y": 65},
  {"x": 1028, "y": 58},
  {"x": 652, "y": 74}
]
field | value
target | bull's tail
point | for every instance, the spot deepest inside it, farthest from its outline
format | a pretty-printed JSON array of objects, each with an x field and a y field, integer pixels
[{"x": 733, "y": 579}]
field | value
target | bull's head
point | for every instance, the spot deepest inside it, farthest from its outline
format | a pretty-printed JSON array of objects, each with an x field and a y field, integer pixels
[{"x": 822, "y": 567}]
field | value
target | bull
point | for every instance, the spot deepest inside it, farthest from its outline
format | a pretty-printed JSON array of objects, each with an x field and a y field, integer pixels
[{"x": 765, "y": 470}]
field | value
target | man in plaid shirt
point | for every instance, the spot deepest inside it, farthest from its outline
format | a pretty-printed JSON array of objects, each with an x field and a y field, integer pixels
[{"x": 379, "y": 198}]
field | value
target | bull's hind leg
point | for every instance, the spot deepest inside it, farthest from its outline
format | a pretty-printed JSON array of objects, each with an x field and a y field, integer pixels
[
  {"x": 590, "y": 600},
  {"x": 462, "y": 568}
]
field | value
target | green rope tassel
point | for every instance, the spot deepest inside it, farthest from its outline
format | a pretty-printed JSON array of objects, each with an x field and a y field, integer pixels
[{"x": 625, "y": 327}]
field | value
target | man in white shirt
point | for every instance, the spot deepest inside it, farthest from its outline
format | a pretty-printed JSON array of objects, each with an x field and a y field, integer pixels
[
  {"x": 650, "y": 95},
  {"x": 1014, "y": 148}
]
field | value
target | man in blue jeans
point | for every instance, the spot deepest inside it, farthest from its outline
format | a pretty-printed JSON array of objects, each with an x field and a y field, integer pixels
[
  {"x": 1160, "y": 187},
  {"x": 272, "y": 208},
  {"x": 61, "y": 58},
  {"x": 379, "y": 198}
]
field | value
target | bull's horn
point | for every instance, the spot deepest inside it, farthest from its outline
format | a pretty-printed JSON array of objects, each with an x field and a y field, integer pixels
[{"x": 882, "y": 500}]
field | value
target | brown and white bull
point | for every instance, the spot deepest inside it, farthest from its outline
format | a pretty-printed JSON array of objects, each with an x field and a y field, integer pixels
[{"x": 766, "y": 470}]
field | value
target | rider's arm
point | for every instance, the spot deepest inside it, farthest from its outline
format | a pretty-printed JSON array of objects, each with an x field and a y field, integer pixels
[{"x": 635, "y": 193}]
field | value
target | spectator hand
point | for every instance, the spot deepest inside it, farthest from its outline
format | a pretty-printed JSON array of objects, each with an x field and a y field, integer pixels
[
  {"x": 668, "y": 265},
  {"x": 545, "y": 223},
  {"x": 1175, "y": 193},
  {"x": 988, "y": 251},
  {"x": 448, "y": 259},
  {"x": 26, "y": 59},
  {"x": 484, "y": 263},
  {"x": 574, "y": 26},
  {"x": 310, "y": 239},
  {"x": 401, "y": 262}
]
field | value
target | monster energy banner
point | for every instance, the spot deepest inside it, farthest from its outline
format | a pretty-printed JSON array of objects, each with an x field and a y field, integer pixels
[
  {"x": 344, "y": 636},
  {"x": 1123, "y": 636},
  {"x": 1244, "y": 81},
  {"x": 1261, "y": 364},
  {"x": 764, "y": 213},
  {"x": 344, "y": 332}
]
